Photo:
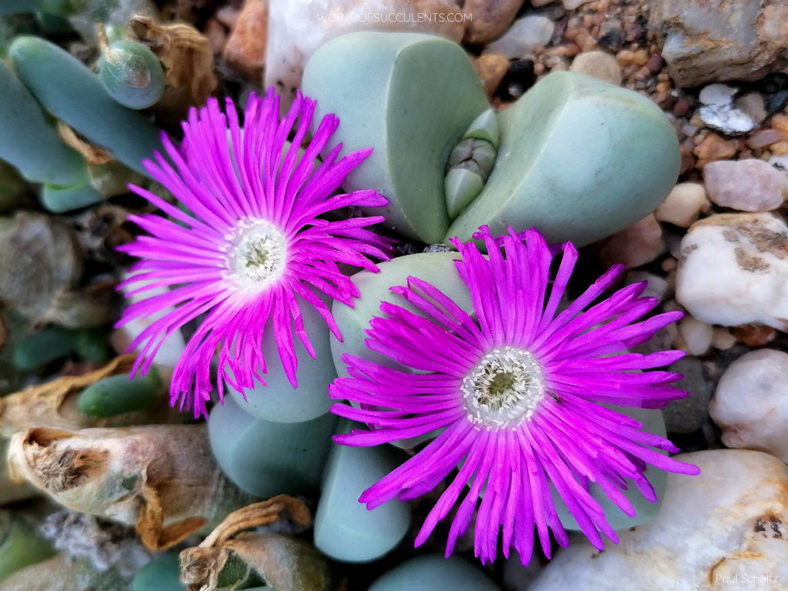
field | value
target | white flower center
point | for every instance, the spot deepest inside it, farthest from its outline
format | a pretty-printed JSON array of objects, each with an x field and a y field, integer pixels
[
  {"x": 257, "y": 254},
  {"x": 503, "y": 389}
]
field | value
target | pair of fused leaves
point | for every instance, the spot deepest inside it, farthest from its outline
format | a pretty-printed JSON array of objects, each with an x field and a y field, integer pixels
[{"x": 577, "y": 158}]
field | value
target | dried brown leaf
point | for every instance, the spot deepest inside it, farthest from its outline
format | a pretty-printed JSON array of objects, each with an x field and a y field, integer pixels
[
  {"x": 184, "y": 52},
  {"x": 92, "y": 154},
  {"x": 54, "y": 404},
  {"x": 160, "y": 478},
  {"x": 201, "y": 565}
]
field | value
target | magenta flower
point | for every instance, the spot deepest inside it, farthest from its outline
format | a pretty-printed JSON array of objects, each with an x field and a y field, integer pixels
[
  {"x": 516, "y": 390},
  {"x": 251, "y": 246}
]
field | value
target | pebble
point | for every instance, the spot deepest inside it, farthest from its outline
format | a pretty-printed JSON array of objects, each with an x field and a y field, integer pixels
[
  {"x": 683, "y": 205},
  {"x": 518, "y": 78},
  {"x": 751, "y": 403},
  {"x": 780, "y": 162},
  {"x": 706, "y": 43},
  {"x": 746, "y": 185},
  {"x": 598, "y": 64},
  {"x": 763, "y": 138},
  {"x": 523, "y": 37},
  {"x": 696, "y": 335},
  {"x": 572, "y": 4},
  {"x": 298, "y": 27},
  {"x": 688, "y": 414},
  {"x": 717, "y": 94},
  {"x": 635, "y": 246},
  {"x": 753, "y": 105},
  {"x": 712, "y": 148},
  {"x": 724, "y": 529},
  {"x": 657, "y": 286},
  {"x": 722, "y": 339},
  {"x": 245, "y": 48},
  {"x": 491, "y": 68},
  {"x": 488, "y": 18},
  {"x": 754, "y": 335},
  {"x": 719, "y": 111},
  {"x": 734, "y": 270},
  {"x": 611, "y": 34}
]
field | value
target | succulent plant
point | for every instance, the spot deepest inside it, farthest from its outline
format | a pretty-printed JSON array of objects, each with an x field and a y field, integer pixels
[
  {"x": 119, "y": 394},
  {"x": 344, "y": 529},
  {"x": 74, "y": 94},
  {"x": 131, "y": 74},
  {"x": 434, "y": 573},
  {"x": 265, "y": 458},
  {"x": 575, "y": 157}
]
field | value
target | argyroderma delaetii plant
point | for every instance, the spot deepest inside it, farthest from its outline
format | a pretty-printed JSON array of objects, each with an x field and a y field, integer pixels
[
  {"x": 252, "y": 248},
  {"x": 516, "y": 389}
]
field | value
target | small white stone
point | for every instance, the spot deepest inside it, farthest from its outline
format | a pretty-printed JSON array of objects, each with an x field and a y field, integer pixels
[
  {"x": 523, "y": 37},
  {"x": 733, "y": 270},
  {"x": 746, "y": 185},
  {"x": 717, "y": 94},
  {"x": 720, "y": 112},
  {"x": 751, "y": 403},
  {"x": 683, "y": 205},
  {"x": 598, "y": 64},
  {"x": 723, "y": 530},
  {"x": 696, "y": 335}
]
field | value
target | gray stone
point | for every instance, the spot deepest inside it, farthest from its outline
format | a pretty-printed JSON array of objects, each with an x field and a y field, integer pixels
[
  {"x": 688, "y": 414},
  {"x": 525, "y": 35},
  {"x": 718, "y": 40}
]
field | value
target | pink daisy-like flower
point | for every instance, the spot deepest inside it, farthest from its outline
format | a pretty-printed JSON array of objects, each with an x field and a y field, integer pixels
[
  {"x": 252, "y": 243},
  {"x": 517, "y": 391}
]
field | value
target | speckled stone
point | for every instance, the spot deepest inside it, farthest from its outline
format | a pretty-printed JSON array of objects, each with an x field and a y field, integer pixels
[
  {"x": 733, "y": 269},
  {"x": 723, "y": 530}
]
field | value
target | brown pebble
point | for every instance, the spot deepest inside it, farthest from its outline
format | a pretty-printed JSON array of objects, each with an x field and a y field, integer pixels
[
  {"x": 217, "y": 35},
  {"x": 655, "y": 63},
  {"x": 625, "y": 57},
  {"x": 245, "y": 49},
  {"x": 764, "y": 137},
  {"x": 754, "y": 335},
  {"x": 780, "y": 123},
  {"x": 780, "y": 148},
  {"x": 712, "y": 148},
  {"x": 640, "y": 57},
  {"x": 491, "y": 68},
  {"x": 681, "y": 107}
]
